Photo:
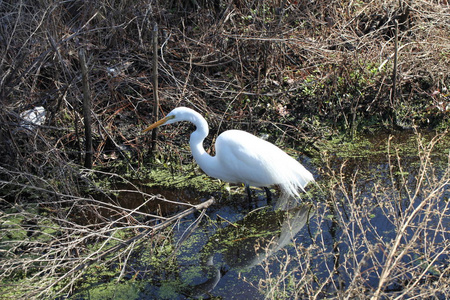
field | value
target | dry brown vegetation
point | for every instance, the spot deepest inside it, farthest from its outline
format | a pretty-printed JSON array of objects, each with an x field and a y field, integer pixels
[
  {"x": 385, "y": 240},
  {"x": 300, "y": 70}
]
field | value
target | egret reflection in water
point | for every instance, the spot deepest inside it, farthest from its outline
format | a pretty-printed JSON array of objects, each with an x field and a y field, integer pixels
[{"x": 247, "y": 243}]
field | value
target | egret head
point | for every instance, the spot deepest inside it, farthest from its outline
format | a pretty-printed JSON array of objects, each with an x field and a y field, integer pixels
[
  {"x": 167, "y": 120},
  {"x": 176, "y": 115}
]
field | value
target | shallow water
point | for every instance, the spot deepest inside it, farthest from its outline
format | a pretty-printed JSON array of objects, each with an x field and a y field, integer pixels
[{"x": 343, "y": 229}]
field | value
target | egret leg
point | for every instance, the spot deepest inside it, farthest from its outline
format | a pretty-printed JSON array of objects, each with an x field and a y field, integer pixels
[
  {"x": 249, "y": 192},
  {"x": 268, "y": 195}
]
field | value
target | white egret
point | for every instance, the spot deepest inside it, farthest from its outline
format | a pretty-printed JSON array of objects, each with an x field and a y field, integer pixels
[{"x": 241, "y": 157}]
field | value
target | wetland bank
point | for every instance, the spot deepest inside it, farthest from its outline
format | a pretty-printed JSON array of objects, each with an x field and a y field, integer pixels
[
  {"x": 373, "y": 193},
  {"x": 357, "y": 92}
]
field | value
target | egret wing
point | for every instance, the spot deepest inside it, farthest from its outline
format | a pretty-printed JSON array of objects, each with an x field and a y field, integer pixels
[
  {"x": 243, "y": 157},
  {"x": 246, "y": 158}
]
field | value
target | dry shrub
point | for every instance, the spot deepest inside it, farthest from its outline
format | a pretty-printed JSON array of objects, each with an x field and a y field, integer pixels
[
  {"x": 58, "y": 219},
  {"x": 50, "y": 239},
  {"x": 253, "y": 63},
  {"x": 258, "y": 65},
  {"x": 382, "y": 237}
]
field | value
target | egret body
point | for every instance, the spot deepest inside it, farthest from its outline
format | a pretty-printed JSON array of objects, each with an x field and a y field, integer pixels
[{"x": 241, "y": 157}]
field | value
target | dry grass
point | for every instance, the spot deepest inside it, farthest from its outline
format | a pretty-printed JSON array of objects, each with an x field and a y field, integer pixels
[{"x": 247, "y": 62}]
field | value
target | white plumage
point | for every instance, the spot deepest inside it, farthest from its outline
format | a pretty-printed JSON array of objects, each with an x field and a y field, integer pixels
[{"x": 241, "y": 157}]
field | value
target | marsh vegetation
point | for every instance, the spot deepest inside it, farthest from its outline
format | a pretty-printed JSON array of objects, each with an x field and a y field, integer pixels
[{"x": 356, "y": 90}]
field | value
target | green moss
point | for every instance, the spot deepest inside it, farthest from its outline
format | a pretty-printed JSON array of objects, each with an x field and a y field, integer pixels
[
  {"x": 12, "y": 229},
  {"x": 112, "y": 290},
  {"x": 15, "y": 288},
  {"x": 169, "y": 290},
  {"x": 100, "y": 281},
  {"x": 184, "y": 177},
  {"x": 405, "y": 144}
]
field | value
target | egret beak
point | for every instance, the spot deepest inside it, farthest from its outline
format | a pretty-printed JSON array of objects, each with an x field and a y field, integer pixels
[{"x": 158, "y": 123}]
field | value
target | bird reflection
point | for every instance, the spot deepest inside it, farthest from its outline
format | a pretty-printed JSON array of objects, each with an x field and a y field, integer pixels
[{"x": 249, "y": 242}]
